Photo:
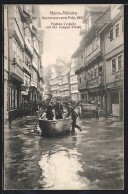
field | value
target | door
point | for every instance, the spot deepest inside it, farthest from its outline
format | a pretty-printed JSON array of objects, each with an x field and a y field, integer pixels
[{"x": 115, "y": 104}]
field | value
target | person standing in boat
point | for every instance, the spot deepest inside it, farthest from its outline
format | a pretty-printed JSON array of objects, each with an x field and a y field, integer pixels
[
  {"x": 58, "y": 110},
  {"x": 49, "y": 112}
]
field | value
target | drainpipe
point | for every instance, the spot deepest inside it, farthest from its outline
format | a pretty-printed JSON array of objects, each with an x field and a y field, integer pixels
[
  {"x": 104, "y": 70},
  {"x": 8, "y": 67}
]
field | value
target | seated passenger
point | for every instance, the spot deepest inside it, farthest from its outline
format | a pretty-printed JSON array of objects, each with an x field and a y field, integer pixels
[{"x": 49, "y": 113}]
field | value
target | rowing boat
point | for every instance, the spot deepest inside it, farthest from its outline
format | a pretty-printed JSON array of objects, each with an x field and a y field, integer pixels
[{"x": 51, "y": 128}]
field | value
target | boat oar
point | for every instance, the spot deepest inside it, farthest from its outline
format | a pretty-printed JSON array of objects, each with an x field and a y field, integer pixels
[{"x": 71, "y": 110}]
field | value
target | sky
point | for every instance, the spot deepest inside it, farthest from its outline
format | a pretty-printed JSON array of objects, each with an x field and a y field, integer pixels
[{"x": 60, "y": 42}]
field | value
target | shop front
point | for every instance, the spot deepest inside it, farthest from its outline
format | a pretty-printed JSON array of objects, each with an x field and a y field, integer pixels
[{"x": 115, "y": 99}]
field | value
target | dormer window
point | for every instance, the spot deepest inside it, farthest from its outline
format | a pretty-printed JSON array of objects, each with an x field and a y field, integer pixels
[
  {"x": 111, "y": 34},
  {"x": 89, "y": 21},
  {"x": 117, "y": 30}
]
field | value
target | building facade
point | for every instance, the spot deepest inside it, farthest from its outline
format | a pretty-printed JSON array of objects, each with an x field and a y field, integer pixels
[
  {"x": 114, "y": 61},
  {"x": 55, "y": 80},
  {"x": 90, "y": 67},
  {"x": 64, "y": 84},
  {"x": 6, "y": 88},
  {"x": 23, "y": 57},
  {"x": 100, "y": 58},
  {"x": 74, "y": 81}
]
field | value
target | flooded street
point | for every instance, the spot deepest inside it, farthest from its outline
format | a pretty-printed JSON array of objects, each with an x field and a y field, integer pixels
[{"x": 87, "y": 160}]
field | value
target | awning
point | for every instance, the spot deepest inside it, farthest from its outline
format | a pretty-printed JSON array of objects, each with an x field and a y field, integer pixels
[{"x": 24, "y": 93}]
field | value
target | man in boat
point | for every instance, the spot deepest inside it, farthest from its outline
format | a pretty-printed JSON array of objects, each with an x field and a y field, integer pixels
[
  {"x": 49, "y": 113},
  {"x": 59, "y": 110}
]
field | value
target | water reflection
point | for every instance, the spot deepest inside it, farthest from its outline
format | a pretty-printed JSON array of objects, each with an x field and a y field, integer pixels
[
  {"x": 60, "y": 169},
  {"x": 87, "y": 160}
]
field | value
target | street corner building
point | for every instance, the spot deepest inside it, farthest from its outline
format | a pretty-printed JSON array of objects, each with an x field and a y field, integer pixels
[
  {"x": 100, "y": 56},
  {"x": 23, "y": 47}
]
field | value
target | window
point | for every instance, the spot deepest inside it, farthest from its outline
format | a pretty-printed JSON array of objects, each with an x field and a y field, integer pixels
[
  {"x": 15, "y": 98},
  {"x": 89, "y": 21},
  {"x": 10, "y": 97},
  {"x": 88, "y": 75},
  {"x": 100, "y": 69},
  {"x": 92, "y": 45},
  {"x": 96, "y": 72},
  {"x": 82, "y": 96},
  {"x": 119, "y": 62},
  {"x": 113, "y": 65},
  {"x": 85, "y": 76},
  {"x": 122, "y": 25},
  {"x": 117, "y": 30},
  {"x": 91, "y": 74},
  {"x": 111, "y": 34},
  {"x": 80, "y": 80},
  {"x": 115, "y": 98}
]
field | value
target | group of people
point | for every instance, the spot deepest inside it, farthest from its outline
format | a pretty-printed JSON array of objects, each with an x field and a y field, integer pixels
[
  {"x": 58, "y": 108},
  {"x": 59, "y": 113}
]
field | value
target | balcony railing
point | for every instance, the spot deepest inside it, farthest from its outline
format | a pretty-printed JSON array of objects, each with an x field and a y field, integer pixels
[
  {"x": 119, "y": 75},
  {"x": 74, "y": 82},
  {"x": 34, "y": 64},
  {"x": 27, "y": 10},
  {"x": 93, "y": 55},
  {"x": 16, "y": 72},
  {"x": 95, "y": 81},
  {"x": 33, "y": 83},
  {"x": 14, "y": 31},
  {"x": 29, "y": 46},
  {"x": 26, "y": 67},
  {"x": 36, "y": 48},
  {"x": 82, "y": 86},
  {"x": 80, "y": 64}
]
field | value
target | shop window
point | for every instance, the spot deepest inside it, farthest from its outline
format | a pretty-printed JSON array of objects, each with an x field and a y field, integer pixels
[
  {"x": 15, "y": 98},
  {"x": 115, "y": 98},
  {"x": 10, "y": 97},
  {"x": 117, "y": 30},
  {"x": 113, "y": 65},
  {"x": 119, "y": 62},
  {"x": 111, "y": 34}
]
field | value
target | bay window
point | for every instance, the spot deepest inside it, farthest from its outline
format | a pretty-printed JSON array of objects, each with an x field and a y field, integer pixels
[{"x": 113, "y": 65}]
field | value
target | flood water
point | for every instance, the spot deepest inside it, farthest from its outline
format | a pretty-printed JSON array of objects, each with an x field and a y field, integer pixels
[{"x": 87, "y": 160}]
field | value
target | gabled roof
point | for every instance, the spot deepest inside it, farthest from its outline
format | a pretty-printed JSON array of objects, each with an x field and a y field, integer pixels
[
  {"x": 35, "y": 11},
  {"x": 98, "y": 8},
  {"x": 101, "y": 21}
]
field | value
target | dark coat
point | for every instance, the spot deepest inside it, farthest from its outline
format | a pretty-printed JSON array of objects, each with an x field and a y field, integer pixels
[
  {"x": 49, "y": 113},
  {"x": 58, "y": 111}
]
